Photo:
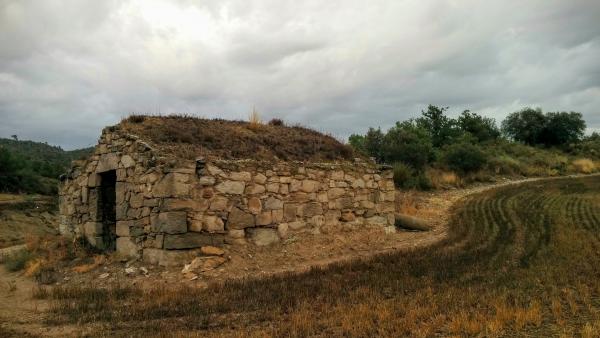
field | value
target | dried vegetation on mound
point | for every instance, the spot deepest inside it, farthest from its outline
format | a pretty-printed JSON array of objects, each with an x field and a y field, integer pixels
[{"x": 190, "y": 137}]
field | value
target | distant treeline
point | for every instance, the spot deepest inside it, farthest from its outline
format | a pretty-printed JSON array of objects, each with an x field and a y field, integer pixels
[
  {"x": 526, "y": 142},
  {"x": 33, "y": 167}
]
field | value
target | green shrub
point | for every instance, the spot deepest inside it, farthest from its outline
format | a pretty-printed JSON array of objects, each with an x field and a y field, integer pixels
[
  {"x": 402, "y": 174},
  {"x": 17, "y": 261},
  {"x": 463, "y": 157}
]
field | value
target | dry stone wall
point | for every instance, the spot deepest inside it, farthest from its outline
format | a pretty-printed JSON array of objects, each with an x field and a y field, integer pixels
[{"x": 166, "y": 205}]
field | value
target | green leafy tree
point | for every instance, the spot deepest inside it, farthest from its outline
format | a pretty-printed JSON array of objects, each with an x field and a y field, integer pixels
[
  {"x": 441, "y": 128},
  {"x": 408, "y": 143},
  {"x": 463, "y": 157},
  {"x": 562, "y": 129},
  {"x": 526, "y": 125},
  {"x": 482, "y": 128},
  {"x": 358, "y": 143},
  {"x": 374, "y": 143}
]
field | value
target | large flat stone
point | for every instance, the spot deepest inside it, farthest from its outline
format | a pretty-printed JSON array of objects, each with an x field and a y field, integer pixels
[
  {"x": 192, "y": 240},
  {"x": 107, "y": 162},
  {"x": 172, "y": 222},
  {"x": 127, "y": 248},
  {"x": 239, "y": 219},
  {"x": 263, "y": 236}
]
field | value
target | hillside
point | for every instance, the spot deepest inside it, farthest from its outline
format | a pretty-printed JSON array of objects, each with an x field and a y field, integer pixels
[{"x": 33, "y": 167}]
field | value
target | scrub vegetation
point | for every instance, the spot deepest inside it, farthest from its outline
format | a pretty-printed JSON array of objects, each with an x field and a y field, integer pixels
[{"x": 426, "y": 150}]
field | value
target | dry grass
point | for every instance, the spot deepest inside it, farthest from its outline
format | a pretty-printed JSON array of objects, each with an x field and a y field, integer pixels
[
  {"x": 584, "y": 166},
  {"x": 441, "y": 179},
  {"x": 518, "y": 261},
  {"x": 191, "y": 137}
]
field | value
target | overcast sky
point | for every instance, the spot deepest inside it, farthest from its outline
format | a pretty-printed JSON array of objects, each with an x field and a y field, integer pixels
[{"x": 69, "y": 68}]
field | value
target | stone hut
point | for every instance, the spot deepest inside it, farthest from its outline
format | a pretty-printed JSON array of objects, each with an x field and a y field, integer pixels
[{"x": 158, "y": 187}]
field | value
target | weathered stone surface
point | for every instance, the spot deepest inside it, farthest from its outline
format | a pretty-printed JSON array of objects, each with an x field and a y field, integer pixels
[
  {"x": 92, "y": 229},
  {"x": 312, "y": 209},
  {"x": 282, "y": 230},
  {"x": 166, "y": 258},
  {"x": 213, "y": 224},
  {"x": 219, "y": 203},
  {"x": 337, "y": 175},
  {"x": 123, "y": 228},
  {"x": 127, "y": 161},
  {"x": 273, "y": 187},
  {"x": 277, "y": 216},
  {"x": 255, "y": 189},
  {"x": 260, "y": 178},
  {"x": 126, "y": 247},
  {"x": 273, "y": 203},
  {"x": 289, "y": 212},
  {"x": 196, "y": 225},
  {"x": 239, "y": 219},
  {"x": 94, "y": 180},
  {"x": 175, "y": 204},
  {"x": 203, "y": 264},
  {"x": 206, "y": 180},
  {"x": 172, "y": 185},
  {"x": 296, "y": 225},
  {"x": 108, "y": 162},
  {"x": 231, "y": 187},
  {"x": 348, "y": 216},
  {"x": 254, "y": 205},
  {"x": 263, "y": 236},
  {"x": 173, "y": 222},
  {"x": 212, "y": 251},
  {"x": 136, "y": 200},
  {"x": 334, "y": 193},
  {"x": 236, "y": 233},
  {"x": 264, "y": 218},
  {"x": 309, "y": 186},
  {"x": 191, "y": 240},
  {"x": 241, "y": 176}
]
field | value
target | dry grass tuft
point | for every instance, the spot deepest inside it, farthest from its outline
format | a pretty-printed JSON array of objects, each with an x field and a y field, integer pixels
[
  {"x": 584, "y": 166},
  {"x": 441, "y": 179}
]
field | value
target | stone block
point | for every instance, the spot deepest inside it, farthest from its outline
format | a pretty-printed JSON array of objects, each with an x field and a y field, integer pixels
[
  {"x": 127, "y": 161},
  {"x": 173, "y": 222},
  {"x": 255, "y": 189},
  {"x": 309, "y": 186},
  {"x": 94, "y": 180},
  {"x": 109, "y": 161},
  {"x": 334, "y": 193},
  {"x": 207, "y": 180},
  {"x": 254, "y": 205},
  {"x": 127, "y": 248},
  {"x": 264, "y": 218},
  {"x": 241, "y": 176},
  {"x": 273, "y": 203},
  {"x": 289, "y": 212},
  {"x": 263, "y": 236},
  {"x": 172, "y": 185},
  {"x": 191, "y": 240},
  {"x": 260, "y": 178},
  {"x": 123, "y": 228},
  {"x": 219, "y": 203},
  {"x": 273, "y": 187},
  {"x": 282, "y": 230},
  {"x": 235, "y": 233},
  {"x": 312, "y": 209},
  {"x": 277, "y": 216},
  {"x": 92, "y": 229},
  {"x": 213, "y": 224},
  {"x": 239, "y": 219},
  {"x": 296, "y": 225},
  {"x": 231, "y": 187}
]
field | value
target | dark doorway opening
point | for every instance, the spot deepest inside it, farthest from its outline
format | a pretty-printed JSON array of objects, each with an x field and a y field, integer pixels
[{"x": 107, "y": 208}]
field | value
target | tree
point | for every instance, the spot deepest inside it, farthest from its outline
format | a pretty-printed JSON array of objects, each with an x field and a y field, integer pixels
[
  {"x": 526, "y": 125},
  {"x": 482, "y": 128},
  {"x": 14, "y": 137},
  {"x": 562, "y": 129},
  {"x": 441, "y": 128},
  {"x": 532, "y": 127},
  {"x": 374, "y": 143},
  {"x": 358, "y": 143},
  {"x": 408, "y": 143},
  {"x": 463, "y": 157}
]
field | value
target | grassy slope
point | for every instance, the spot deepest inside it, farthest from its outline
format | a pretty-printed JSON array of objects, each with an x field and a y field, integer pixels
[{"x": 520, "y": 260}]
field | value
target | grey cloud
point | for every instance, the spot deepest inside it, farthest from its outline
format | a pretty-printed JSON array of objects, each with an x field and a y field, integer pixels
[{"x": 69, "y": 68}]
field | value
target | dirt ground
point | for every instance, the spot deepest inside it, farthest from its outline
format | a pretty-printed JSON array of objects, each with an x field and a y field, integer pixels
[
  {"x": 21, "y": 216},
  {"x": 21, "y": 315}
]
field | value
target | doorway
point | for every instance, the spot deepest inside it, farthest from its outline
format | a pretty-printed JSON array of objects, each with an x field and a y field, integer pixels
[{"x": 107, "y": 208}]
